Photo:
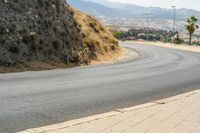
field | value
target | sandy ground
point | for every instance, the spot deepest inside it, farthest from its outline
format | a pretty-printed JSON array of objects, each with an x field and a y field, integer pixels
[
  {"x": 122, "y": 54},
  {"x": 170, "y": 45},
  {"x": 35, "y": 66}
]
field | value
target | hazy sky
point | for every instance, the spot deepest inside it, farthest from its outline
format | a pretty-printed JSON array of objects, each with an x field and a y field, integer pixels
[{"x": 193, "y": 4}]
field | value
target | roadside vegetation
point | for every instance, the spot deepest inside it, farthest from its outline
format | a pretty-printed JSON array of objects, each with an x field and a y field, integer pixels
[
  {"x": 101, "y": 44},
  {"x": 191, "y": 27},
  {"x": 142, "y": 34},
  {"x": 152, "y": 34}
]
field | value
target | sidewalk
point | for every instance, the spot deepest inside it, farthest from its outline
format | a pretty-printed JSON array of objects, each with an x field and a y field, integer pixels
[{"x": 178, "y": 114}]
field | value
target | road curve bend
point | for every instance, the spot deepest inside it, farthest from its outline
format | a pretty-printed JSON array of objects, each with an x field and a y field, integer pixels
[{"x": 34, "y": 99}]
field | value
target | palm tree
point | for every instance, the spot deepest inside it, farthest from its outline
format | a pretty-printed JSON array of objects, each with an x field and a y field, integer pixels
[{"x": 191, "y": 26}]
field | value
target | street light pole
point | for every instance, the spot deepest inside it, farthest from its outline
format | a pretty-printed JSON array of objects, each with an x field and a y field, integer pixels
[
  {"x": 147, "y": 15},
  {"x": 174, "y": 23}
]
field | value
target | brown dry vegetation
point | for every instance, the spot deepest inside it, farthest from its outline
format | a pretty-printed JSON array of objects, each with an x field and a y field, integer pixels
[
  {"x": 102, "y": 45},
  {"x": 35, "y": 66}
]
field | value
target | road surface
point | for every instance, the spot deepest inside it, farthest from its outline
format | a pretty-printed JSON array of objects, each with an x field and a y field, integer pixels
[{"x": 34, "y": 99}]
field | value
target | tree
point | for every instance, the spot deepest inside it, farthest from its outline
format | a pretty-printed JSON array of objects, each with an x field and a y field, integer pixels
[
  {"x": 191, "y": 26},
  {"x": 177, "y": 39},
  {"x": 117, "y": 34}
]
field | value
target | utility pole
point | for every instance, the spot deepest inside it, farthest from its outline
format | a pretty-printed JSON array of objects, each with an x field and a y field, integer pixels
[{"x": 174, "y": 23}]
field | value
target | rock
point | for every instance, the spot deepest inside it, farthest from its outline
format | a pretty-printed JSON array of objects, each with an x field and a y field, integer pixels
[
  {"x": 39, "y": 30},
  {"x": 32, "y": 33}
]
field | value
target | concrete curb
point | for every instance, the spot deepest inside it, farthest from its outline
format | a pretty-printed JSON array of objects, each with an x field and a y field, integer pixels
[{"x": 109, "y": 114}]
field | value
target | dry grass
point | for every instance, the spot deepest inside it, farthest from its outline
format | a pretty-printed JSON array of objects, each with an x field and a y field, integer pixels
[
  {"x": 35, "y": 66},
  {"x": 97, "y": 37},
  {"x": 111, "y": 57}
]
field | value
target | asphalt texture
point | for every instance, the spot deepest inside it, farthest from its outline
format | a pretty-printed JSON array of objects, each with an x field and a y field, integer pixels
[{"x": 34, "y": 99}]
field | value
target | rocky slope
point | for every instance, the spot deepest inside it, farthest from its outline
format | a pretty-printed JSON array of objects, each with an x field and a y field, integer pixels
[
  {"x": 42, "y": 30},
  {"x": 43, "y": 34}
]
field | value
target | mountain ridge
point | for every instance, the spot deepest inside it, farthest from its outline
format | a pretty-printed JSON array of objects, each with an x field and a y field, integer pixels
[
  {"x": 129, "y": 15},
  {"x": 107, "y": 8},
  {"x": 120, "y": 4}
]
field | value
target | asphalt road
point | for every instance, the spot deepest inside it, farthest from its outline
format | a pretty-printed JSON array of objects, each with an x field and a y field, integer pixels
[{"x": 34, "y": 99}]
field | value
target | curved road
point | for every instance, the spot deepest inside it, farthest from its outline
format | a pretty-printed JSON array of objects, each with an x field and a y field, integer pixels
[{"x": 33, "y": 99}]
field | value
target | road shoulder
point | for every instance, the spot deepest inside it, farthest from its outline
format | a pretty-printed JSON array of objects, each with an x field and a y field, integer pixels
[
  {"x": 124, "y": 55},
  {"x": 170, "y": 45}
]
